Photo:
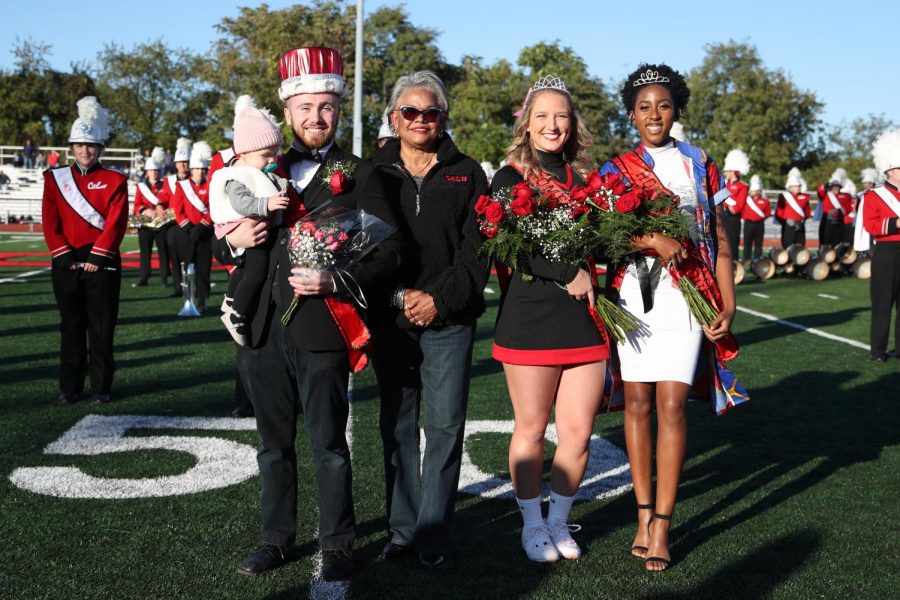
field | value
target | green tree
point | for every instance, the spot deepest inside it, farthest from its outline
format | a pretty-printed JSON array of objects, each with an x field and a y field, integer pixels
[
  {"x": 154, "y": 93},
  {"x": 484, "y": 99},
  {"x": 39, "y": 102},
  {"x": 737, "y": 103},
  {"x": 245, "y": 59}
]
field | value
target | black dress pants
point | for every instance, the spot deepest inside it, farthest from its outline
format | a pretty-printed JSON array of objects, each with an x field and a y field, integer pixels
[
  {"x": 793, "y": 234},
  {"x": 831, "y": 230},
  {"x": 174, "y": 234},
  {"x": 732, "y": 225},
  {"x": 146, "y": 238},
  {"x": 884, "y": 290},
  {"x": 753, "y": 239},
  {"x": 88, "y": 308},
  {"x": 196, "y": 247},
  {"x": 282, "y": 381}
]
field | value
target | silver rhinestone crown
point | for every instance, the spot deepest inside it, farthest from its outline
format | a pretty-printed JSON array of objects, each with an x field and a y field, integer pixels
[
  {"x": 549, "y": 82},
  {"x": 649, "y": 77}
]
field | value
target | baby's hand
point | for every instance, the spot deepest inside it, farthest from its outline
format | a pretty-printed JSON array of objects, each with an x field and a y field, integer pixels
[{"x": 278, "y": 201}]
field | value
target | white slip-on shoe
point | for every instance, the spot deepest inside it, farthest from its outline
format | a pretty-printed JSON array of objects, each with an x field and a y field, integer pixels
[
  {"x": 538, "y": 544},
  {"x": 562, "y": 539}
]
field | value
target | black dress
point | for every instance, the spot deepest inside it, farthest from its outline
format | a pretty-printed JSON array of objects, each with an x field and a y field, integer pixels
[{"x": 539, "y": 323}]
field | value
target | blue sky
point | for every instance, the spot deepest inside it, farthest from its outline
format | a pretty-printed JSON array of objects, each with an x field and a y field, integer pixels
[{"x": 846, "y": 53}]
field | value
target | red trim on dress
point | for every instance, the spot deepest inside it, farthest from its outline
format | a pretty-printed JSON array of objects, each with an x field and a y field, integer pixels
[{"x": 552, "y": 357}]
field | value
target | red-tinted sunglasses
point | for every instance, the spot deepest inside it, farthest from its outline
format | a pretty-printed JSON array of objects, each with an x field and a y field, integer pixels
[{"x": 429, "y": 115}]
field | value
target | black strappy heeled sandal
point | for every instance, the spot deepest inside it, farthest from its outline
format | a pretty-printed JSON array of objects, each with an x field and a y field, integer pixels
[
  {"x": 664, "y": 561},
  {"x": 650, "y": 506}
]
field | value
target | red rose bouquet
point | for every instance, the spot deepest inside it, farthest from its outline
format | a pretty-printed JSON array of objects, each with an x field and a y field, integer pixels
[
  {"x": 519, "y": 220},
  {"x": 333, "y": 238},
  {"x": 624, "y": 214},
  {"x": 560, "y": 227}
]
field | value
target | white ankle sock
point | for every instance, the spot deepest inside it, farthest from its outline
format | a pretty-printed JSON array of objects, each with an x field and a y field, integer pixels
[
  {"x": 559, "y": 507},
  {"x": 531, "y": 511}
]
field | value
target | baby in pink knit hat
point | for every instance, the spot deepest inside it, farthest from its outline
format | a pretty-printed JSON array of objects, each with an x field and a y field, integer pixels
[{"x": 248, "y": 189}]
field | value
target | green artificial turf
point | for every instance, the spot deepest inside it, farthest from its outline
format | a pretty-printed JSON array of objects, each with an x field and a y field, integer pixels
[{"x": 793, "y": 495}]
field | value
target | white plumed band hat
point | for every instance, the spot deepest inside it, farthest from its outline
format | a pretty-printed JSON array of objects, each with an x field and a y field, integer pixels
[{"x": 91, "y": 126}]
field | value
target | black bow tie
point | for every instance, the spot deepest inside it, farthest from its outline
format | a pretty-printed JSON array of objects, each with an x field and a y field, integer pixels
[{"x": 307, "y": 154}]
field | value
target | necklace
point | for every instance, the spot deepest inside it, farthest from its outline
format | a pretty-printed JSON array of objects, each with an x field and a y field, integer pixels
[{"x": 419, "y": 172}]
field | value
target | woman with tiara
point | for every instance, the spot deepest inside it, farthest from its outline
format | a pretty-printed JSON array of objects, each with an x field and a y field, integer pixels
[
  {"x": 551, "y": 350},
  {"x": 661, "y": 359}
]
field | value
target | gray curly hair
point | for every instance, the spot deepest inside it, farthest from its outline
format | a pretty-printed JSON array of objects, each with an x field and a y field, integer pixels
[{"x": 427, "y": 80}]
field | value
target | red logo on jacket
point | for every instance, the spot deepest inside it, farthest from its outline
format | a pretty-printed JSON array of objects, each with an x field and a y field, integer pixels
[{"x": 457, "y": 178}]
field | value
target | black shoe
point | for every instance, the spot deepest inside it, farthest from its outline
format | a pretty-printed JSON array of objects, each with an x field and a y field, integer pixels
[
  {"x": 431, "y": 559},
  {"x": 139, "y": 284},
  {"x": 392, "y": 550},
  {"x": 240, "y": 412},
  {"x": 337, "y": 565},
  {"x": 201, "y": 306},
  {"x": 66, "y": 398},
  {"x": 102, "y": 398},
  {"x": 877, "y": 358},
  {"x": 266, "y": 558}
]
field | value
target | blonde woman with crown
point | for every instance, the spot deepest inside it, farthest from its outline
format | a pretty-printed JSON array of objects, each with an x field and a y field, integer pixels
[{"x": 552, "y": 353}]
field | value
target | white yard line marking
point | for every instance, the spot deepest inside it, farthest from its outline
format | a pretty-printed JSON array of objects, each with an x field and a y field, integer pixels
[
  {"x": 758, "y": 295},
  {"x": 800, "y": 327},
  {"x": 829, "y": 296},
  {"x": 319, "y": 589},
  {"x": 21, "y": 276}
]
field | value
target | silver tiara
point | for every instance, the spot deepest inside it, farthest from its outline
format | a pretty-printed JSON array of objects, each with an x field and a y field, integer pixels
[
  {"x": 549, "y": 82},
  {"x": 650, "y": 77}
]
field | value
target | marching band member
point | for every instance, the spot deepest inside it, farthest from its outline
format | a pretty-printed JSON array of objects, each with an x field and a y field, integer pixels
[
  {"x": 851, "y": 204},
  {"x": 85, "y": 212},
  {"x": 756, "y": 210},
  {"x": 862, "y": 241},
  {"x": 881, "y": 217},
  {"x": 736, "y": 162},
  {"x": 792, "y": 210},
  {"x": 192, "y": 215},
  {"x": 833, "y": 210},
  {"x": 174, "y": 233},
  {"x": 150, "y": 202}
]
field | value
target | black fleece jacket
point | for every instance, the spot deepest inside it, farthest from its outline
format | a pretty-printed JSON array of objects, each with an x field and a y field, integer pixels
[{"x": 441, "y": 233}]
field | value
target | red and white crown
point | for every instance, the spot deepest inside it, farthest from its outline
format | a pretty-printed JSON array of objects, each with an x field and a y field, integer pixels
[{"x": 313, "y": 70}]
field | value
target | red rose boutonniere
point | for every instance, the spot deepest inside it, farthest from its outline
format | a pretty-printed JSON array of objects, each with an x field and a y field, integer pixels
[{"x": 337, "y": 175}]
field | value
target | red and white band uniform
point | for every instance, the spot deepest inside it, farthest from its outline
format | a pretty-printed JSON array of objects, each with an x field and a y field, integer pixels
[
  {"x": 173, "y": 232},
  {"x": 191, "y": 206},
  {"x": 881, "y": 218},
  {"x": 792, "y": 210},
  {"x": 734, "y": 206},
  {"x": 149, "y": 199},
  {"x": 755, "y": 212},
  {"x": 84, "y": 214},
  {"x": 837, "y": 213}
]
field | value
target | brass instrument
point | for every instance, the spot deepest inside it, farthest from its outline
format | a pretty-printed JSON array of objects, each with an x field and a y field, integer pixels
[{"x": 188, "y": 286}]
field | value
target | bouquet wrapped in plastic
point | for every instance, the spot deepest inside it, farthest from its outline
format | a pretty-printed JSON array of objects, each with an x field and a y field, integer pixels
[{"x": 334, "y": 238}]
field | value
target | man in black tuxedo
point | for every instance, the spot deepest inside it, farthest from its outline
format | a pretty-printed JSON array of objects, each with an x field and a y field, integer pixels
[{"x": 306, "y": 365}]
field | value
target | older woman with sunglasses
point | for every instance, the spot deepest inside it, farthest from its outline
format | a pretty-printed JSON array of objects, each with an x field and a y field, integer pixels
[{"x": 424, "y": 333}]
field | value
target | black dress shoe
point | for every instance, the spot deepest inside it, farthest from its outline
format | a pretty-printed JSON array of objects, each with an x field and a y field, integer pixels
[
  {"x": 431, "y": 560},
  {"x": 102, "y": 398},
  {"x": 337, "y": 565},
  {"x": 392, "y": 550},
  {"x": 139, "y": 284},
  {"x": 66, "y": 398},
  {"x": 878, "y": 357},
  {"x": 240, "y": 412},
  {"x": 266, "y": 558}
]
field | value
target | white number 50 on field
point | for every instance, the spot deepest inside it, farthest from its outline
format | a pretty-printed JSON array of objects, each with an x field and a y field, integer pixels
[{"x": 221, "y": 462}]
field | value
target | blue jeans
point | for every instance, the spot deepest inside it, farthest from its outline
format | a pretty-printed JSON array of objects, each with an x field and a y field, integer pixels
[{"x": 409, "y": 364}]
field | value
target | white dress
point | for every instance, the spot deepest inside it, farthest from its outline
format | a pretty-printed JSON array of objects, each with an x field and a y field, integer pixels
[{"x": 667, "y": 343}]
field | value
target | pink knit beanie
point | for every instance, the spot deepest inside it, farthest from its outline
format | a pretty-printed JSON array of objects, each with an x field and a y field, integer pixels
[{"x": 255, "y": 130}]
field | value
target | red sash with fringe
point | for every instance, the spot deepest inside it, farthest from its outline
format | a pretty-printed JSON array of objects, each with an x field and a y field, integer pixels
[
  {"x": 345, "y": 314},
  {"x": 695, "y": 268}
]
